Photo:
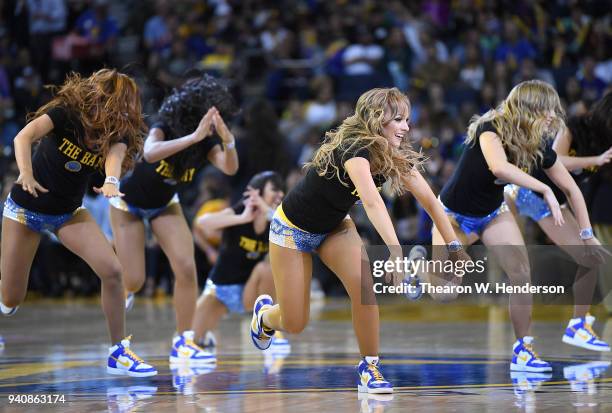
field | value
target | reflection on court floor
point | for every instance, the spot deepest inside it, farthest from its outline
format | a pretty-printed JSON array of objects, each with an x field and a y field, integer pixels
[{"x": 457, "y": 362}]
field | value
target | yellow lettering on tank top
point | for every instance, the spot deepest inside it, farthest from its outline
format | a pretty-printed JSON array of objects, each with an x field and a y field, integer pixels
[{"x": 69, "y": 149}]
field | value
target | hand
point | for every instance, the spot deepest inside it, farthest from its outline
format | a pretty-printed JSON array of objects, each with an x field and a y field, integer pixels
[
  {"x": 553, "y": 204},
  {"x": 30, "y": 185},
  {"x": 595, "y": 253},
  {"x": 222, "y": 129},
  {"x": 108, "y": 190},
  {"x": 248, "y": 215},
  {"x": 204, "y": 128},
  {"x": 254, "y": 195},
  {"x": 605, "y": 157},
  {"x": 397, "y": 276}
]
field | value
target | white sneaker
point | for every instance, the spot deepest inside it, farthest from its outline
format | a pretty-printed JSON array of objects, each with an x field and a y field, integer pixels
[
  {"x": 184, "y": 349},
  {"x": 129, "y": 301},
  {"x": 525, "y": 359},
  {"x": 7, "y": 311},
  {"x": 123, "y": 361},
  {"x": 579, "y": 333}
]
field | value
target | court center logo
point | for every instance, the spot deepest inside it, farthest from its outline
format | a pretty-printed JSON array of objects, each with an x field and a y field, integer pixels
[{"x": 73, "y": 166}]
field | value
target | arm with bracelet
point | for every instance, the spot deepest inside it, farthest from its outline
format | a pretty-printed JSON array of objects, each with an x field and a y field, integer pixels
[{"x": 112, "y": 169}]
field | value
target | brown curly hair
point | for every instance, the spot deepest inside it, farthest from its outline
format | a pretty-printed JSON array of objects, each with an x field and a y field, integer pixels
[{"x": 108, "y": 107}]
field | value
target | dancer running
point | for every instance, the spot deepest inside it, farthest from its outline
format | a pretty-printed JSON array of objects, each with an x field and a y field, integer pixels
[
  {"x": 91, "y": 124},
  {"x": 179, "y": 144},
  {"x": 367, "y": 149}
]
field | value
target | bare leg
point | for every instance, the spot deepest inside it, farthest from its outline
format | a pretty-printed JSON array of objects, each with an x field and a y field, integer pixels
[
  {"x": 19, "y": 245},
  {"x": 504, "y": 236},
  {"x": 82, "y": 236},
  {"x": 176, "y": 240},
  {"x": 292, "y": 271},
  {"x": 260, "y": 282},
  {"x": 209, "y": 311},
  {"x": 341, "y": 252},
  {"x": 129, "y": 240},
  {"x": 567, "y": 237}
]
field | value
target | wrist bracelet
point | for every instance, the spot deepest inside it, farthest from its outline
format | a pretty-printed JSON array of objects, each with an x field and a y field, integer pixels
[
  {"x": 586, "y": 233},
  {"x": 230, "y": 145},
  {"x": 454, "y": 246},
  {"x": 111, "y": 180}
]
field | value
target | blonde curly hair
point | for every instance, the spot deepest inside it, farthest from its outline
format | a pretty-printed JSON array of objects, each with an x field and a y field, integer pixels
[
  {"x": 521, "y": 122},
  {"x": 364, "y": 129}
]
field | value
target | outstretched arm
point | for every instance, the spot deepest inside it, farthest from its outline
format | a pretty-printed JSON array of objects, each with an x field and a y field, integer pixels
[{"x": 562, "y": 145}]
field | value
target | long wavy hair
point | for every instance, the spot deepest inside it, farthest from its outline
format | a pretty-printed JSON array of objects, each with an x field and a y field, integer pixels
[
  {"x": 521, "y": 122},
  {"x": 107, "y": 105},
  {"x": 364, "y": 129},
  {"x": 182, "y": 110}
]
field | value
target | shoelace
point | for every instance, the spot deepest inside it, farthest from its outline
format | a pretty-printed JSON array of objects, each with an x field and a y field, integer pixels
[
  {"x": 130, "y": 352},
  {"x": 377, "y": 375},
  {"x": 589, "y": 328},
  {"x": 531, "y": 351},
  {"x": 192, "y": 344}
]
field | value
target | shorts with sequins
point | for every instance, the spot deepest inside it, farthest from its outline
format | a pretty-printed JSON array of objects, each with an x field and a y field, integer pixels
[
  {"x": 527, "y": 202},
  {"x": 229, "y": 294},
  {"x": 474, "y": 224},
  {"x": 142, "y": 213},
  {"x": 36, "y": 221},
  {"x": 285, "y": 234}
]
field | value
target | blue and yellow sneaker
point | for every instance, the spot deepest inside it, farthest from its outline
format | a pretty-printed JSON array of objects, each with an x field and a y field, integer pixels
[
  {"x": 261, "y": 336},
  {"x": 579, "y": 333},
  {"x": 129, "y": 301},
  {"x": 525, "y": 359},
  {"x": 371, "y": 379},
  {"x": 184, "y": 349},
  {"x": 123, "y": 361}
]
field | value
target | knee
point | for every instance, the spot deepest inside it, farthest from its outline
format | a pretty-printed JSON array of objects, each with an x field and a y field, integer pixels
[
  {"x": 185, "y": 269},
  {"x": 263, "y": 270},
  {"x": 294, "y": 325},
  {"x": 111, "y": 273}
]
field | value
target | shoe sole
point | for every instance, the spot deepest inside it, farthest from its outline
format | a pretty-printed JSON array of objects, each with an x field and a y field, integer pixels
[
  {"x": 120, "y": 372},
  {"x": 520, "y": 367},
  {"x": 365, "y": 389},
  {"x": 254, "y": 320},
  {"x": 192, "y": 362},
  {"x": 581, "y": 344}
]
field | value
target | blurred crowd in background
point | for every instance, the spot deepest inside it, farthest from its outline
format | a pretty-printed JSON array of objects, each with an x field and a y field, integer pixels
[{"x": 296, "y": 68}]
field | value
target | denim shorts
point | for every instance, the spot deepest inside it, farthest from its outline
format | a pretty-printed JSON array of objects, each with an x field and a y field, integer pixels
[
  {"x": 36, "y": 221},
  {"x": 527, "y": 202},
  {"x": 142, "y": 213},
  {"x": 285, "y": 234},
  {"x": 229, "y": 294},
  {"x": 474, "y": 224}
]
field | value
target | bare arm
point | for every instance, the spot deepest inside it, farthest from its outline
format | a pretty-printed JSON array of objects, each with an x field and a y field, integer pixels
[
  {"x": 32, "y": 132},
  {"x": 112, "y": 168},
  {"x": 496, "y": 159},
  {"x": 561, "y": 177},
  {"x": 225, "y": 160},
  {"x": 358, "y": 170},
  {"x": 562, "y": 144},
  {"x": 421, "y": 190},
  {"x": 226, "y": 218},
  {"x": 156, "y": 148}
]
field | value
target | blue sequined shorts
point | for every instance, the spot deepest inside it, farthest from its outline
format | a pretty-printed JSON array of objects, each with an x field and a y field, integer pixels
[
  {"x": 474, "y": 224},
  {"x": 36, "y": 221},
  {"x": 527, "y": 202},
  {"x": 229, "y": 294},
  {"x": 285, "y": 234},
  {"x": 142, "y": 213}
]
